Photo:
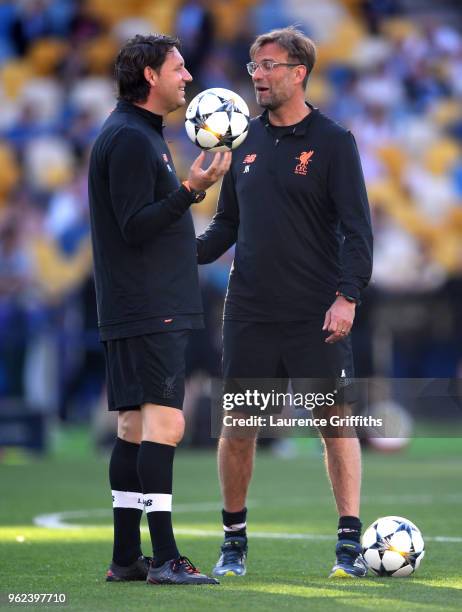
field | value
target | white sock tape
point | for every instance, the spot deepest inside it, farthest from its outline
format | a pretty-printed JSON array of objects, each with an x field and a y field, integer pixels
[
  {"x": 157, "y": 502},
  {"x": 235, "y": 527},
  {"x": 127, "y": 499}
]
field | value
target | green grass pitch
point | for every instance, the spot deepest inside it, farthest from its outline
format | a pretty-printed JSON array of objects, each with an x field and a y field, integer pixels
[{"x": 289, "y": 497}]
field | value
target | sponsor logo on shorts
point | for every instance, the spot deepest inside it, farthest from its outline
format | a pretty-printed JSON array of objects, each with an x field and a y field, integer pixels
[
  {"x": 169, "y": 387},
  {"x": 344, "y": 379}
]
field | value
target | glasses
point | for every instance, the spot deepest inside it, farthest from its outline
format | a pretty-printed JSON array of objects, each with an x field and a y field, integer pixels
[{"x": 266, "y": 66}]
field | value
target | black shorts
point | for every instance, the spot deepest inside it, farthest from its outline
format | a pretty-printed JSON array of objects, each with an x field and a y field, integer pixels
[
  {"x": 146, "y": 369},
  {"x": 271, "y": 353}
]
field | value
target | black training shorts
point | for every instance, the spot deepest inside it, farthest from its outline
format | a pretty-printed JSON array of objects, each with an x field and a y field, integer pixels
[
  {"x": 146, "y": 369},
  {"x": 268, "y": 354}
]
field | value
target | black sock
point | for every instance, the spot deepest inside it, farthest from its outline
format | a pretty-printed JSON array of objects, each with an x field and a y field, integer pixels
[
  {"x": 155, "y": 468},
  {"x": 234, "y": 523},
  {"x": 127, "y": 502},
  {"x": 349, "y": 528}
]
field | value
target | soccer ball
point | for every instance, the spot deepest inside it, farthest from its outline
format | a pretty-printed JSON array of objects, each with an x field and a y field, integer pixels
[
  {"x": 217, "y": 120},
  {"x": 393, "y": 546}
]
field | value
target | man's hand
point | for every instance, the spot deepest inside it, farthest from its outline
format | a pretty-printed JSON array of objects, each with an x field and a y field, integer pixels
[
  {"x": 200, "y": 179},
  {"x": 339, "y": 319}
]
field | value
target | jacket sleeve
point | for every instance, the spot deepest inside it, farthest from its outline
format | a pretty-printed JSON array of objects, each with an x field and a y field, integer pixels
[
  {"x": 132, "y": 178},
  {"x": 221, "y": 233},
  {"x": 348, "y": 191}
]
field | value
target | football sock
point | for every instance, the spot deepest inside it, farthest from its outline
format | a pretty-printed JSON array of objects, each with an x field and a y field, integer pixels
[
  {"x": 127, "y": 502},
  {"x": 155, "y": 469},
  {"x": 234, "y": 523},
  {"x": 349, "y": 528}
]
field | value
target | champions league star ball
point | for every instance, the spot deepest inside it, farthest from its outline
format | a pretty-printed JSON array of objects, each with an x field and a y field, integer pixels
[
  {"x": 217, "y": 120},
  {"x": 393, "y": 546}
]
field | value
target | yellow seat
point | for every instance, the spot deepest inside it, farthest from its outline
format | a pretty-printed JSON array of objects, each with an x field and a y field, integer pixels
[
  {"x": 9, "y": 172},
  {"x": 440, "y": 157},
  {"x": 341, "y": 45},
  {"x": 57, "y": 274},
  {"x": 446, "y": 112},
  {"x": 161, "y": 15},
  {"x": 13, "y": 77},
  {"x": 229, "y": 18},
  {"x": 398, "y": 28},
  {"x": 319, "y": 91},
  {"x": 395, "y": 160},
  {"x": 100, "y": 54},
  {"x": 45, "y": 54},
  {"x": 112, "y": 11}
]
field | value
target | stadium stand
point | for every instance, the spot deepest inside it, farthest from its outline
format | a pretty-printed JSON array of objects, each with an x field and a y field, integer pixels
[{"x": 390, "y": 70}]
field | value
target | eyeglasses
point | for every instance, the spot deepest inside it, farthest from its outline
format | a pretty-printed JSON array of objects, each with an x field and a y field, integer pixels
[{"x": 266, "y": 66}]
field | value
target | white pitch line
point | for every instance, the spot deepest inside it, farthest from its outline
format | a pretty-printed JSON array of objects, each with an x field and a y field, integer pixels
[
  {"x": 267, "y": 535},
  {"x": 56, "y": 520},
  {"x": 264, "y": 535}
]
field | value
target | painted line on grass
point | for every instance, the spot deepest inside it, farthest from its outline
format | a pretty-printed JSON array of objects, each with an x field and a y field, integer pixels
[
  {"x": 271, "y": 535},
  {"x": 57, "y": 520}
]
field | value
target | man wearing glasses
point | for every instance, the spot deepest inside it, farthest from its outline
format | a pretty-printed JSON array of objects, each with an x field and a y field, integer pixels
[{"x": 295, "y": 204}]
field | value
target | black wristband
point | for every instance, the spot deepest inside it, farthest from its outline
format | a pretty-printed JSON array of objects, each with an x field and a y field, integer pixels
[
  {"x": 348, "y": 298},
  {"x": 197, "y": 195}
]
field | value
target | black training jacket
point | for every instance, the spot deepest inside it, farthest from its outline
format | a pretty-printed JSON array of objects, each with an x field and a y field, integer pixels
[
  {"x": 295, "y": 204},
  {"x": 142, "y": 230}
]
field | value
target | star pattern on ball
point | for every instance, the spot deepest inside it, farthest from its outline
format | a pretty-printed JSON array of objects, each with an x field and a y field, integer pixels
[
  {"x": 393, "y": 546},
  {"x": 217, "y": 120}
]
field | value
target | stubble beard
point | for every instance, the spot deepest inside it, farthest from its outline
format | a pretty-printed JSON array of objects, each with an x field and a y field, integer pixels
[
  {"x": 268, "y": 104},
  {"x": 272, "y": 103}
]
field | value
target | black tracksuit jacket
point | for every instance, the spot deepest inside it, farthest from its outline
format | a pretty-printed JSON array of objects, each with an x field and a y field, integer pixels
[
  {"x": 143, "y": 236},
  {"x": 295, "y": 204}
]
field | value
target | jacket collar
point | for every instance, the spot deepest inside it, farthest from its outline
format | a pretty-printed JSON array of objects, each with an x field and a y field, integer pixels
[
  {"x": 155, "y": 121},
  {"x": 299, "y": 128}
]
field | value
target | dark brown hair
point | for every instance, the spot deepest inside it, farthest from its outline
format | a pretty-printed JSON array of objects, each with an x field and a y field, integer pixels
[{"x": 137, "y": 53}]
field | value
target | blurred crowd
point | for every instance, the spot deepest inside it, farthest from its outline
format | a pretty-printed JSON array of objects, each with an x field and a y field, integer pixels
[{"x": 394, "y": 77}]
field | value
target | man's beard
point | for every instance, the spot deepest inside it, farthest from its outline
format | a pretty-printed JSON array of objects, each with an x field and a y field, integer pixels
[
  {"x": 269, "y": 106},
  {"x": 272, "y": 104}
]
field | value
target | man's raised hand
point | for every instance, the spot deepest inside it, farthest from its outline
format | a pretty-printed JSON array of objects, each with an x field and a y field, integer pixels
[{"x": 200, "y": 179}]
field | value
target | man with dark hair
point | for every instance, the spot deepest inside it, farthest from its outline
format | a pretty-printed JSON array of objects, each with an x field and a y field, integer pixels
[
  {"x": 148, "y": 298},
  {"x": 295, "y": 204}
]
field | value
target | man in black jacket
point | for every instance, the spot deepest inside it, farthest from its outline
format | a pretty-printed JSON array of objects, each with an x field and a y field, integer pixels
[
  {"x": 148, "y": 298},
  {"x": 295, "y": 204}
]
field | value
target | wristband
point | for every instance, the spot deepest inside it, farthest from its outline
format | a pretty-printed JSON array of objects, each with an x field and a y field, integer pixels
[
  {"x": 197, "y": 195},
  {"x": 348, "y": 298}
]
